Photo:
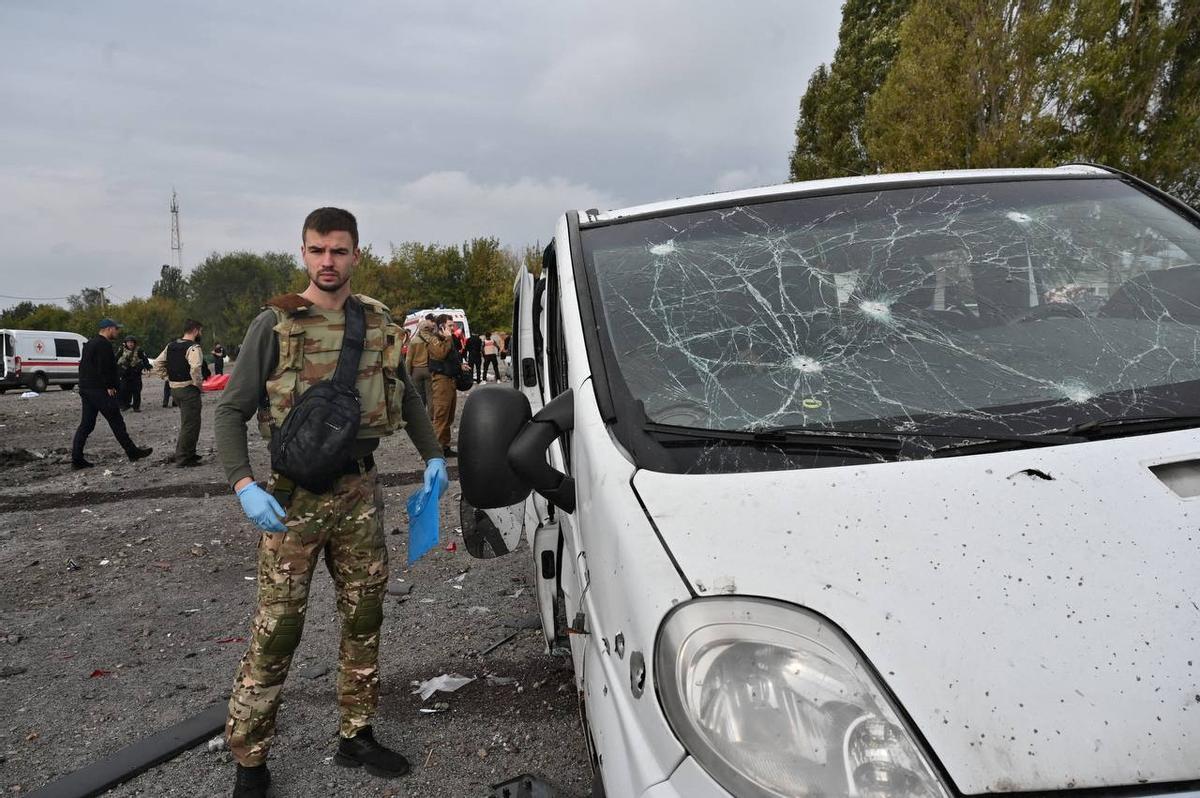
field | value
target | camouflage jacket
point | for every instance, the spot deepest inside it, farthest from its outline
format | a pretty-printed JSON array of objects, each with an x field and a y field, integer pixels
[
  {"x": 310, "y": 341},
  {"x": 131, "y": 360}
]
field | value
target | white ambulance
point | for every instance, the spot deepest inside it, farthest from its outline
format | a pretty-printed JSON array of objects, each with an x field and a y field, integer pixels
[
  {"x": 457, "y": 315},
  {"x": 37, "y": 359}
]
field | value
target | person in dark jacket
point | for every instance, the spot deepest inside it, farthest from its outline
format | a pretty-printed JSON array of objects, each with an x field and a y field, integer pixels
[
  {"x": 98, "y": 394},
  {"x": 475, "y": 355}
]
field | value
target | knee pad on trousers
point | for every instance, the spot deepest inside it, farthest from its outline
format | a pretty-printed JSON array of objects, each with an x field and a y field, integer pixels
[
  {"x": 367, "y": 616},
  {"x": 285, "y": 636}
]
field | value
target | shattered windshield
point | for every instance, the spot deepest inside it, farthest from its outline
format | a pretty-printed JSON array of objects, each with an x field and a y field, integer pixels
[{"x": 974, "y": 309}]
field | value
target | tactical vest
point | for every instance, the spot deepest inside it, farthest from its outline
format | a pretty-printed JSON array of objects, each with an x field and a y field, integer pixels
[
  {"x": 309, "y": 345},
  {"x": 178, "y": 368}
]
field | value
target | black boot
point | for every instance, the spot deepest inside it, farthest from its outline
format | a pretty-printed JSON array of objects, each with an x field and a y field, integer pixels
[
  {"x": 362, "y": 750},
  {"x": 138, "y": 452},
  {"x": 252, "y": 782},
  {"x": 81, "y": 464}
]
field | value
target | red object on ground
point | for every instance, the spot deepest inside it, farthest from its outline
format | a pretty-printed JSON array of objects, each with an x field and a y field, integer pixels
[
  {"x": 216, "y": 382},
  {"x": 100, "y": 672},
  {"x": 232, "y": 640},
  {"x": 452, "y": 546}
]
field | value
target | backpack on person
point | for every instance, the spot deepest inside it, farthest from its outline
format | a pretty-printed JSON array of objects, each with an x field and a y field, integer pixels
[
  {"x": 451, "y": 366},
  {"x": 316, "y": 439}
]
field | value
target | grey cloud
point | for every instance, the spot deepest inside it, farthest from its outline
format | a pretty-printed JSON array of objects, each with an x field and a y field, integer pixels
[{"x": 434, "y": 121}]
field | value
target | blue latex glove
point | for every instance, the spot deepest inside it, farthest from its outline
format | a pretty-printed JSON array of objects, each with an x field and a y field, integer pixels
[
  {"x": 435, "y": 473},
  {"x": 261, "y": 508}
]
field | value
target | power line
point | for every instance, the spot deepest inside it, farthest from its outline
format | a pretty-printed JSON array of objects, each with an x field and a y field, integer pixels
[{"x": 33, "y": 298}]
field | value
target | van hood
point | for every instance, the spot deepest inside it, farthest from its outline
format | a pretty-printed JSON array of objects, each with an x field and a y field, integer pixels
[{"x": 1036, "y": 613}]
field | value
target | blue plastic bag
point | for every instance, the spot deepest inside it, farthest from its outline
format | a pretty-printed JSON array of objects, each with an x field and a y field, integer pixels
[{"x": 422, "y": 522}]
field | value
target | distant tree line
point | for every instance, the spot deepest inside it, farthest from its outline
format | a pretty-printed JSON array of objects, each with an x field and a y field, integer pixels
[
  {"x": 935, "y": 84},
  {"x": 226, "y": 291}
]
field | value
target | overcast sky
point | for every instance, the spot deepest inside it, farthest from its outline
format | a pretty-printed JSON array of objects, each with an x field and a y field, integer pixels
[{"x": 432, "y": 121}]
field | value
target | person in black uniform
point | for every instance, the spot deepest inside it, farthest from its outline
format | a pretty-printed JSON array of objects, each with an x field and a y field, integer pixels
[
  {"x": 98, "y": 395},
  {"x": 475, "y": 355}
]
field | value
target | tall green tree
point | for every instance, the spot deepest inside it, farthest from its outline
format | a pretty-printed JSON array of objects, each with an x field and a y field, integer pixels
[
  {"x": 228, "y": 291},
  {"x": 981, "y": 83},
  {"x": 829, "y": 130},
  {"x": 1134, "y": 96},
  {"x": 171, "y": 284},
  {"x": 975, "y": 85}
]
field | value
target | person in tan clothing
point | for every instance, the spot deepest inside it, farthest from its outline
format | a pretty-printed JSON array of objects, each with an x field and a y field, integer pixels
[
  {"x": 443, "y": 395},
  {"x": 417, "y": 359}
]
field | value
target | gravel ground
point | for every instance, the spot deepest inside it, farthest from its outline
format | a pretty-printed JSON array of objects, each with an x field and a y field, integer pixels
[{"x": 125, "y": 597}]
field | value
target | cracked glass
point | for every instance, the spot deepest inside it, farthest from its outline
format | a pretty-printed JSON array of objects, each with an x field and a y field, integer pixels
[{"x": 940, "y": 313}]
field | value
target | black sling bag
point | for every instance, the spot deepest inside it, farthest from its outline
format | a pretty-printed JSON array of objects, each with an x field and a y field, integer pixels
[{"x": 313, "y": 445}]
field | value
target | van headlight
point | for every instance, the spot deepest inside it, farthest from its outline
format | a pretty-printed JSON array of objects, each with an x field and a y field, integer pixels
[{"x": 773, "y": 701}]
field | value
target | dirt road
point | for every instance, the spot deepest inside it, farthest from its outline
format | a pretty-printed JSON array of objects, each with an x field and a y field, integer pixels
[{"x": 125, "y": 598}]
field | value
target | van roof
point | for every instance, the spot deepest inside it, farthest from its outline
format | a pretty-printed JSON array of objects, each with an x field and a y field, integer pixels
[
  {"x": 782, "y": 190},
  {"x": 40, "y": 332}
]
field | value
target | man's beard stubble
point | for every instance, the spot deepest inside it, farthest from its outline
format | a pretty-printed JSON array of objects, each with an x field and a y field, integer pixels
[{"x": 330, "y": 289}]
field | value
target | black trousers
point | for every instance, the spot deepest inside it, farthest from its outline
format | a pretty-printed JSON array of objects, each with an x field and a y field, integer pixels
[
  {"x": 218, "y": 365},
  {"x": 477, "y": 367},
  {"x": 491, "y": 360},
  {"x": 96, "y": 401},
  {"x": 129, "y": 394}
]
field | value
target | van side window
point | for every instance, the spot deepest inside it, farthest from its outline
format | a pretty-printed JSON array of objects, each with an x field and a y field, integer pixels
[{"x": 66, "y": 347}]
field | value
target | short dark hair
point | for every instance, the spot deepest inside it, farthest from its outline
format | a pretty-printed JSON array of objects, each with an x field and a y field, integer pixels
[
  {"x": 190, "y": 325},
  {"x": 330, "y": 220}
]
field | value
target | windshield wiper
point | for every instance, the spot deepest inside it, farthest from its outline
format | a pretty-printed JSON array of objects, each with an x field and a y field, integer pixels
[
  {"x": 871, "y": 443},
  {"x": 1126, "y": 425},
  {"x": 967, "y": 440}
]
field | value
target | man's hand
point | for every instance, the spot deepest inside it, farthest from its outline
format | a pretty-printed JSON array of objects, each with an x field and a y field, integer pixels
[
  {"x": 261, "y": 508},
  {"x": 435, "y": 474},
  {"x": 112, "y": 391}
]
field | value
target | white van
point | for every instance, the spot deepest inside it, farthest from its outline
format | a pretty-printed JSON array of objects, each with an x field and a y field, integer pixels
[
  {"x": 879, "y": 486},
  {"x": 457, "y": 315},
  {"x": 37, "y": 359}
]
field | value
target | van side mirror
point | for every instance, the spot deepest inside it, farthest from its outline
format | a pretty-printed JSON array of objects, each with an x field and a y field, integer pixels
[{"x": 502, "y": 448}]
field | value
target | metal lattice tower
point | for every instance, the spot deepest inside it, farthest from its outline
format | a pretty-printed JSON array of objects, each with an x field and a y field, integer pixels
[{"x": 176, "y": 239}]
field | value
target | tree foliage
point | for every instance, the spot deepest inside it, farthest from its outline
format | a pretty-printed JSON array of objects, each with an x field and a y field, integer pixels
[
  {"x": 829, "y": 132},
  {"x": 154, "y": 321},
  {"x": 227, "y": 291},
  {"x": 936, "y": 84},
  {"x": 171, "y": 284}
]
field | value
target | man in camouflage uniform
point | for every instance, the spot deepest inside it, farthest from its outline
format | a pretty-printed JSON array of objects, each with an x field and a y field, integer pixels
[
  {"x": 289, "y": 347},
  {"x": 130, "y": 364}
]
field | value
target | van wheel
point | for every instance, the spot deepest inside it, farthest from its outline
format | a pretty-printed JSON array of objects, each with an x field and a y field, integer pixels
[{"x": 40, "y": 383}]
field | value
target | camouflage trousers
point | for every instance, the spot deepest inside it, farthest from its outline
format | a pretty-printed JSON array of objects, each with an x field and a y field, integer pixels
[{"x": 347, "y": 525}]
